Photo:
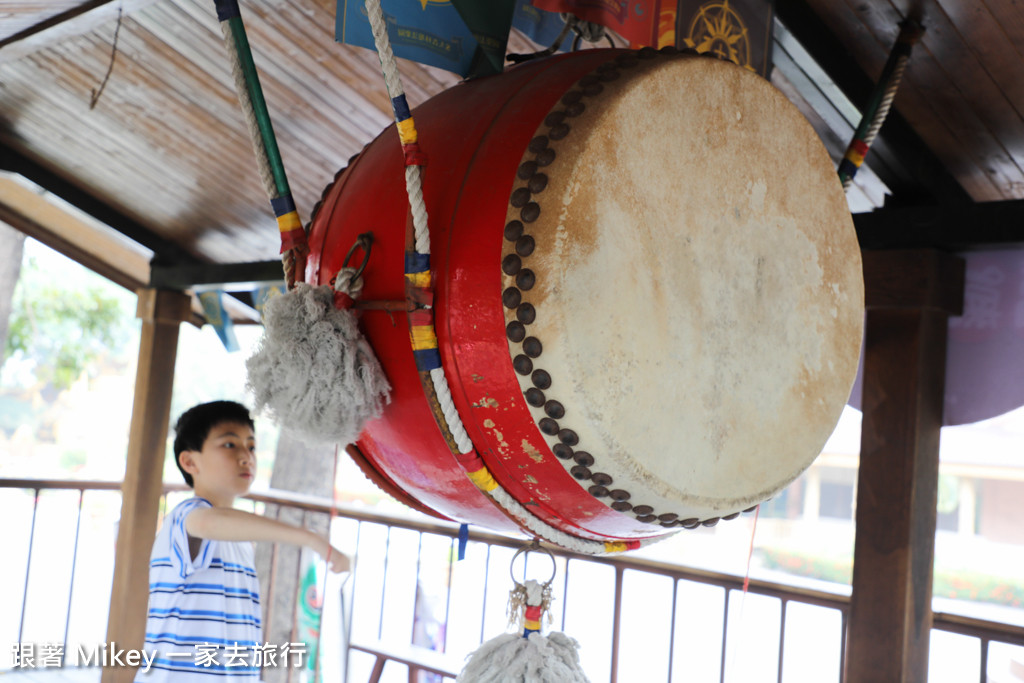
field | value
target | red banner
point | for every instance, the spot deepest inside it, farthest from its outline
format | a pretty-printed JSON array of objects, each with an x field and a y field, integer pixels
[{"x": 737, "y": 30}]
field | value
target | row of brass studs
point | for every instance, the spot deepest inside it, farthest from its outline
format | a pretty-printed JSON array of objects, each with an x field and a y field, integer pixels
[{"x": 523, "y": 245}]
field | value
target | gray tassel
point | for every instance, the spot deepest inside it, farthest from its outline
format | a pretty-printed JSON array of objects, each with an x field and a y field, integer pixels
[
  {"x": 314, "y": 371},
  {"x": 511, "y": 658}
]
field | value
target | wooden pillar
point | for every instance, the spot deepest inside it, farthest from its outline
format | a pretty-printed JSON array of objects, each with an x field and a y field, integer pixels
[
  {"x": 909, "y": 296},
  {"x": 161, "y": 313}
]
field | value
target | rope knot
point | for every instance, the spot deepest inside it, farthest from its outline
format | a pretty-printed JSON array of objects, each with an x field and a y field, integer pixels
[
  {"x": 348, "y": 285},
  {"x": 414, "y": 156}
]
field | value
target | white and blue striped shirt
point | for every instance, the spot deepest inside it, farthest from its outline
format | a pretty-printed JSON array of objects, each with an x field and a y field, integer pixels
[{"x": 204, "y": 613}]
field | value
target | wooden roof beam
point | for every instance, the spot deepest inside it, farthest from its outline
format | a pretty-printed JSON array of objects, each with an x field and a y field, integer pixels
[
  {"x": 902, "y": 160},
  {"x": 164, "y": 251},
  {"x": 229, "y": 277},
  {"x": 72, "y": 22},
  {"x": 987, "y": 225}
]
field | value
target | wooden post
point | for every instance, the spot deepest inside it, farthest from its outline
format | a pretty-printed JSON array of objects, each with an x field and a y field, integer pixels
[
  {"x": 161, "y": 312},
  {"x": 909, "y": 297}
]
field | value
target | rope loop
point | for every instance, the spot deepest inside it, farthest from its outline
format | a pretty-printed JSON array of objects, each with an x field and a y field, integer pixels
[
  {"x": 587, "y": 30},
  {"x": 365, "y": 242}
]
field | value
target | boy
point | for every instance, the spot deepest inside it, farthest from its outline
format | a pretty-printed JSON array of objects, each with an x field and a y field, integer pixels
[{"x": 204, "y": 610}]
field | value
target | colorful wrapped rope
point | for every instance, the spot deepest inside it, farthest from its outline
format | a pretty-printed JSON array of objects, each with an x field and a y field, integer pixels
[{"x": 261, "y": 131}]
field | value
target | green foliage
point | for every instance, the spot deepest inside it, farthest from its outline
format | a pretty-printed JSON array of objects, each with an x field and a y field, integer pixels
[
  {"x": 978, "y": 587},
  {"x": 73, "y": 460},
  {"x": 836, "y": 570},
  {"x": 61, "y": 328}
]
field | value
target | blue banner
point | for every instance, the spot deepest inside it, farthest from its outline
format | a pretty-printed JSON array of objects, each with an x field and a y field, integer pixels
[
  {"x": 540, "y": 26},
  {"x": 264, "y": 294},
  {"x": 433, "y": 32},
  {"x": 213, "y": 309}
]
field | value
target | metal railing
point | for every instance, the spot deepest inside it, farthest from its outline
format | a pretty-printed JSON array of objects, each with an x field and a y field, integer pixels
[{"x": 384, "y": 544}]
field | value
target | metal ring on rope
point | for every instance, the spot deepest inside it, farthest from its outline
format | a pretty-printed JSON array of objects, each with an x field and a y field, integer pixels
[{"x": 535, "y": 546}]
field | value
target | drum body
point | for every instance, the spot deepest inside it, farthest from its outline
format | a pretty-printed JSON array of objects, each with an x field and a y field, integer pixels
[{"x": 648, "y": 295}]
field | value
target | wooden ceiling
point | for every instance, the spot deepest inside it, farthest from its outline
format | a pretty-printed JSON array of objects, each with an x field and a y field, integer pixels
[{"x": 156, "y": 148}]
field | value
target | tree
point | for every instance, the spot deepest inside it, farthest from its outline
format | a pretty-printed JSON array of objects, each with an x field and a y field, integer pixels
[
  {"x": 61, "y": 323},
  {"x": 60, "y": 320}
]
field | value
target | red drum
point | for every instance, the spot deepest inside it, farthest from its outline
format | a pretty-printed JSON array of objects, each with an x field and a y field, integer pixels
[{"x": 648, "y": 294}]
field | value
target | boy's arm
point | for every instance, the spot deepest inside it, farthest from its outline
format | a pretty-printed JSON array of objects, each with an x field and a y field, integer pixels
[{"x": 228, "y": 524}]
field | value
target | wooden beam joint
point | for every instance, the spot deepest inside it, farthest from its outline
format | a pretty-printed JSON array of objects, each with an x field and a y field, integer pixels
[{"x": 922, "y": 279}]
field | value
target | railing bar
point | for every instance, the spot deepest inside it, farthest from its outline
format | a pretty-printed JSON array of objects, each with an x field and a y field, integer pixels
[
  {"x": 28, "y": 565},
  {"x": 487, "y": 577},
  {"x": 296, "y": 608},
  {"x": 565, "y": 592},
  {"x": 347, "y": 635},
  {"x": 978, "y": 629},
  {"x": 378, "y": 669},
  {"x": 74, "y": 564},
  {"x": 782, "y": 639},
  {"x": 448, "y": 599},
  {"x": 812, "y": 597},
  {"x": 419, "y": 559},
  {"x": 983, "y": 674},
  {"x": 384, "y": 585},
  {"x": 844, "y": 626},
  {"x": 725, "y": 635},
  {"x": 269, "y": 611},
  {"x": 985, "y": 631},
  {"x": 617, "y": 624},
  {"x": 672, "y": 630}
]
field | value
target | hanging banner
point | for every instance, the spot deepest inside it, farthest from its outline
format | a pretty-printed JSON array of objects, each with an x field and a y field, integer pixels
[
  {"x": 737, "y": 30},
  {"x": 264, "y": 293},
  {"x": 634, "y": 20},
  {"x": 461, "y": 36},
  {"x": 309, "y": 605},
  {"x": 213, "y": 309},
  {"x": 540, "y": 26}
]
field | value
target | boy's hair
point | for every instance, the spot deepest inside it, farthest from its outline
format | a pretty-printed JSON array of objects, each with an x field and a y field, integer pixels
[{"x": 195, "y": 424}]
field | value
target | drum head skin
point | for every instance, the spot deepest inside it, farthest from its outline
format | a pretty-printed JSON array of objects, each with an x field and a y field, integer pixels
[{"x": 693, "y": 284}]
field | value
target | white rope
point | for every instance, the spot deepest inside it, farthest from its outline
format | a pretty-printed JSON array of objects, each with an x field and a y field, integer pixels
[
  {"x": 549, "y": 533},
  {"x": 414, "y": 186},
  {"x": 451, "y": 413},
  {"x": 392, "y": 79},
  {"x": 249, "y": 113},
  {"x": 883, "y": 108},
  {"x": 886, "y": 104},
  {"x": 344, "y": 283}
]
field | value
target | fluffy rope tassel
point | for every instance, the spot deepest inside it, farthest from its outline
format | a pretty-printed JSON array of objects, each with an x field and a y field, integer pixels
[
  {"x": 530, "y": 657},
  {"x": 511, "y": 658},
  {"x": 314, "y": 371}
]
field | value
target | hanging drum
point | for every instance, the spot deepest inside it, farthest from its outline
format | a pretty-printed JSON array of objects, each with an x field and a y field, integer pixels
[{"x": 647, "y": 295}]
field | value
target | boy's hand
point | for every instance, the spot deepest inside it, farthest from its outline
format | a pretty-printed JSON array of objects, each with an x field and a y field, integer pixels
[{"x": 337, "y": 561}]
